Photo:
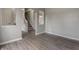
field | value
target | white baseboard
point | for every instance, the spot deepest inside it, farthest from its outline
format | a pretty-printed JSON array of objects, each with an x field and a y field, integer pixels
[
  {"x": 77, "y": 39},
  {"x": 11, "y": 41},
  {"x": 39, "y": 33}
]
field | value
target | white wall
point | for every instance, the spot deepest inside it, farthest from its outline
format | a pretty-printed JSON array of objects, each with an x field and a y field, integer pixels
[
  {"x": 39, "y": 28},
  {"x": 0, "y": 17},
  {"x": 9, "y": 33},
  {"x": 7, "y": 16},
  {"x": 20, "y": 19},
  {"x": 63, "y": 22}
]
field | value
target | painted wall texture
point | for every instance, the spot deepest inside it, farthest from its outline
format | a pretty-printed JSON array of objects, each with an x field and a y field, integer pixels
[
  {"x": 20, "y": 19},
  {"x": 7, "y": 16},
  {"x": 63, "y": 22},
  {"x": 9, "y": 32},
  {"x": 40, "y": 28}
]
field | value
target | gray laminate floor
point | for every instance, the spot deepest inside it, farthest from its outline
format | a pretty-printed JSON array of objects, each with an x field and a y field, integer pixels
[{"x": 42, "y": 42}]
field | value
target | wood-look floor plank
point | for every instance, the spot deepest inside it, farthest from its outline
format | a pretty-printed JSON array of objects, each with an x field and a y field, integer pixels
[{"x": 42, "y": 42}]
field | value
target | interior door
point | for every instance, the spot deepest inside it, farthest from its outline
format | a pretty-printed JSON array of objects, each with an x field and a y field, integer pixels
[{"x": 39, "y": 22}]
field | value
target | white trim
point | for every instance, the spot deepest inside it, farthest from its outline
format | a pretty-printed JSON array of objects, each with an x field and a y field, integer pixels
[
  {"x": 77, "y": 39},
  {"x": 39, "y": 33},
  {"x": 10, "y": 41}
]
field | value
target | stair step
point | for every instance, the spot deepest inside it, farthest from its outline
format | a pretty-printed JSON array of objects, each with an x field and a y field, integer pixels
[{"x": 29, "y": 27}]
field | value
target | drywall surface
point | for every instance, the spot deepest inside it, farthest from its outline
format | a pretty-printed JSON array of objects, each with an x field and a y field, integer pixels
[
  {"x": 7, "y": 16},
  {"x": 0, "y": 16},
  {"x": 39, "y": 28},
  {"x": 20, "y": 19},
  {"x": 63, "y": 22},
  {"x": 9, "y": 33}
]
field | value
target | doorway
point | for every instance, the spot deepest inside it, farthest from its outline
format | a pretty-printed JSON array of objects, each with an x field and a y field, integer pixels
[{"x": 40, "y": 21}]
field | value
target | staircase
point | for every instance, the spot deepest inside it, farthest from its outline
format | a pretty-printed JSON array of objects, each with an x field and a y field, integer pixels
[
  {"x": 27, "y": 16},
  {"x": 30, "y": 28}
]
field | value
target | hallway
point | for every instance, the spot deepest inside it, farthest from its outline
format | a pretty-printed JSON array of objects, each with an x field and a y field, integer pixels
[{"x": 42, "y": 42}]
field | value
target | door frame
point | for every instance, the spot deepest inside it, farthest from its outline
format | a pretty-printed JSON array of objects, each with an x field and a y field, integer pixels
[{"x": 36, "y": 15}]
